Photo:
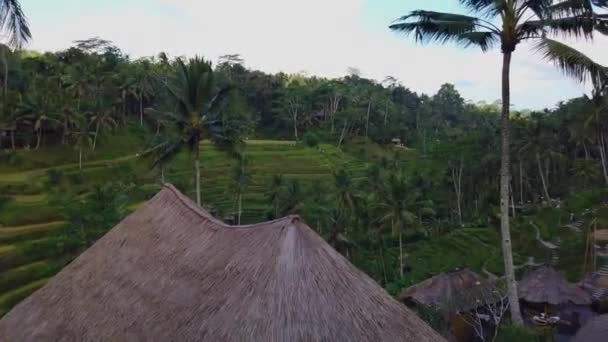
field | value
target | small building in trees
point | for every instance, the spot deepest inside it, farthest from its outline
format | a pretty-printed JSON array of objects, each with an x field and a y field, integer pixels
[
  {"x": 550, "y": 300},
  {"x": 445, "y": 293},
  {"x": 172, "y": 272}
]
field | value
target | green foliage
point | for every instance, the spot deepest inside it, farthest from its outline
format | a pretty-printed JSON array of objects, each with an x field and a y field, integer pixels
[
  {"x": 510, "y": 332},
  {"x": 311, "y": 139}
]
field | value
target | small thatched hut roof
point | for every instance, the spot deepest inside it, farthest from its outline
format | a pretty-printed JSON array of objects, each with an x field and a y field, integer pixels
[
  {"x": 601, "y": 234},
  {"x": 438, "y": 290},
  {"x": 546, "y": 285},
  {"x": 172, "y": 272},
  {"x": 594, "y": 331}
]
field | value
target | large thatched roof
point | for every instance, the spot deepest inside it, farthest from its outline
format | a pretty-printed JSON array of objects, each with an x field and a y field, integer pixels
[
  {"x": 171, "y": 272},
  {"x": 594, "y": 331},
  {"x": 546, "y": 285},
  {"x": 438, "y": 290}
]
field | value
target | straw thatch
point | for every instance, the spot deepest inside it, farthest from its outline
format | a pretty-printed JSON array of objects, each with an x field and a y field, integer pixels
[
  {"x": 442, "y": 288},
  {"x": 546, "y": 285},
  {"x": 601, "y": 234},
  {"x": 594, "y": 331},
  {"x": 171, "y": 272}
]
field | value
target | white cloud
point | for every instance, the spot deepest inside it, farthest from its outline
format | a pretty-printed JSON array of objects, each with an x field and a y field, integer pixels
[{"x": 322, "y": 37}]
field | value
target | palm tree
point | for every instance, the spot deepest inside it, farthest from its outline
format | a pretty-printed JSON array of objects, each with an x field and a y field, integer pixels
[
  {"x": 197, "y": 104},
  {"x": 397, "y": 207},
  {"x": 275, "y": 193},
  {"x": 102, "y": 120},
  {"x": 507, "y": 23},
  {"x": 241, "y": 178},
  {"x": 14, "y": 22},
  {"x": 82, "y": 137}
]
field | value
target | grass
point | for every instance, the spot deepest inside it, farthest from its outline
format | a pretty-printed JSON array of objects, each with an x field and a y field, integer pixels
[
  {"x": 11, "y": 298},
  {"x": 32, "y": 231},
  {"x": 25, "y": 274},
  {"x": 474, "y": 248}
]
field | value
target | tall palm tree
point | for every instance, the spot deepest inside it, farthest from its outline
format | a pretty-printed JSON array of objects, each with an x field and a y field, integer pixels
[
  {"x": 102, "y": 120},
  {"x": 241, "y": 178},
  {"x": 397, "y": 208},
  {"x": 275, "y": 192},
  {"x": 14, "y": 22},
  {"x": 197, "y": 104},
  {"x": 507, "y": 23}
]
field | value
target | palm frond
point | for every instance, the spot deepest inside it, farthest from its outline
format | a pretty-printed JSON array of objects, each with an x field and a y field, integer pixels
[
  {"x": 488, "y": 7},
  {"x": 14, "y": 21},
  {"x": 442, "y": 27},
  {"x": 572, "y": 62},
  {"x": 569, "y": 8},
  {"x": 485, "y": 40},
  {"x": 541, "y": 8},
  {"x": 572, "y": 26}
]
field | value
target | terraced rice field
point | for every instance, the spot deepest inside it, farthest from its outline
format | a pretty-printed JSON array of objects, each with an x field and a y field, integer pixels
[{"x": 28, "y": 216}]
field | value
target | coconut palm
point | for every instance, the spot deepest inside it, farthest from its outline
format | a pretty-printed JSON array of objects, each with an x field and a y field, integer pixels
[
  {"x": 14, "y": 22},
  {"x": 274, "y": 195},
  {"x": 102, "y": 120},
  {"x": 197, "y": 103},
  {"x": 241, "y": 178},
  {"x": 507, "y": 23}
]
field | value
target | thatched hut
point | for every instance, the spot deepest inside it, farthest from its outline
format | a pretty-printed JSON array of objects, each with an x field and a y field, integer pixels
[
  {"x": 594, "y": 331},
  {"x": 547, "y": 286},
  {"x": 452, "y": 294},
  {"x": 172, "y": 272},
  {"x": 440, "y": 289}
]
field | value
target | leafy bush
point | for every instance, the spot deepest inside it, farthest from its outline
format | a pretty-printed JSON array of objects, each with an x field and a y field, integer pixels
[
  {"x": 311, "y": 139},
  {"x": 55, "y": 177},
  {"x": 510, "y": 332},
  {"x": 4, "y": 199},
  {"x": 75, "y": 178}
]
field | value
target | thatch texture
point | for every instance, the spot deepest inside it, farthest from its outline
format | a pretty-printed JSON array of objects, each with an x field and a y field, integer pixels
[
  {"x": 171, "y": 272},
  {"x": 594, "y": 331},
  {"x": 438, "y": 290},
  {"x": 601, "y": 235},
  {"x": 546, "y": 285}
]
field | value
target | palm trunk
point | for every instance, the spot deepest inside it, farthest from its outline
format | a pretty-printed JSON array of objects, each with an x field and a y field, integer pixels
[
  {"x": 13, "y": 140},
  {"x": 521, "y": 184},
  {"x": 382, "y": 258},
  {"x": 197, "y": 180},
  {"x": 141, "y": 110},
  {"x": 512, "y": 200},
  {"x": 602, "y": 149},
  {"x": 457, "y": 179},
  {"x": 505, "y": 168},
  {"x": 369, "y": 108},
  {"x": 162, "y": 174},
  {"x": 542, "y": 177},
  {"x": 80, "y": 158},
  {"x": 39, "y": 138},
  {"x": 240, "y": 206},
  {"x": 95, "y": 137},
  {"x": 400, "y": 252}
]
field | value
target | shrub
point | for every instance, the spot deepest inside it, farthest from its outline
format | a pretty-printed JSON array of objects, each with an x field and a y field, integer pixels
[
  {"x": 510, "y": 332},
  {"x": 311, "y": 139},
  {"x": 55, "y": 177}
]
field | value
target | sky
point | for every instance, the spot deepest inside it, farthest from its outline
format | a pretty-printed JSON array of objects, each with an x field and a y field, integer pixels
[{"x": 317, "y": 37}]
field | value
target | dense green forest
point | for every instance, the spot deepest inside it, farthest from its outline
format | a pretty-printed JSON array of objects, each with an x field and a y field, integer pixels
[
  {"x": 405, "y": 185},
  {"x": 429, "y": 164}
]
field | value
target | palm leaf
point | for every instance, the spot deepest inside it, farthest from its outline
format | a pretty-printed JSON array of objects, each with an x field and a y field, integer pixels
[
  {"x": 572, "y": 62},
  {"x": 443, "y": 27},
  {"x": 485, "y": 40},
  {"x": 575, "y": 26},
  {"x": 14, "y": 21},
  {"x": 488, "y": 7}
]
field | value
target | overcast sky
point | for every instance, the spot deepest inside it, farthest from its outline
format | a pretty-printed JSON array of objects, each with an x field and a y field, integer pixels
[{"x": 319, "y": 37}]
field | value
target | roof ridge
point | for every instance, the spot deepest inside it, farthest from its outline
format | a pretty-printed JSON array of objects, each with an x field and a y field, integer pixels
[{"x": 206, "y": 215}]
